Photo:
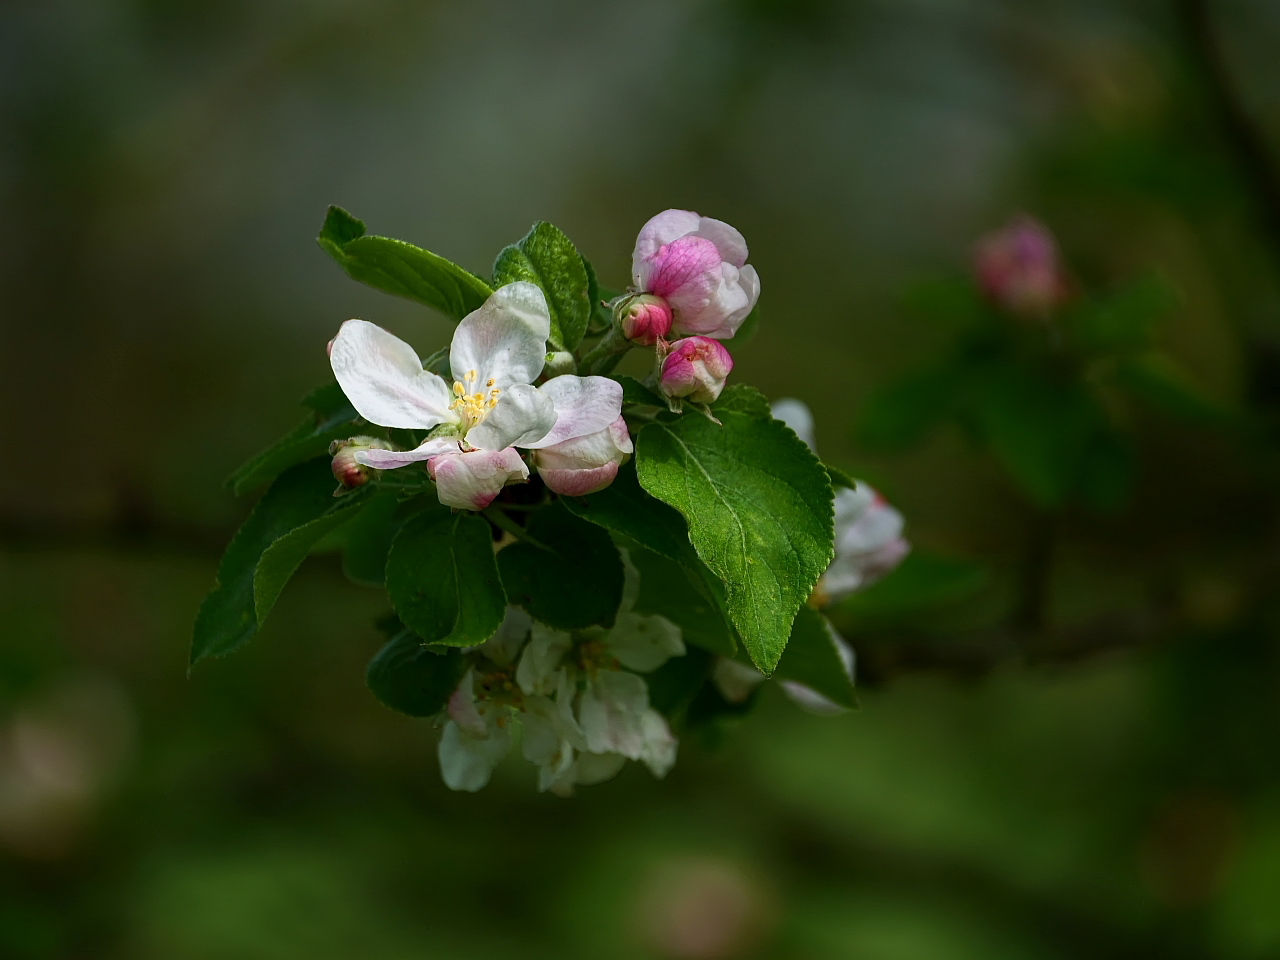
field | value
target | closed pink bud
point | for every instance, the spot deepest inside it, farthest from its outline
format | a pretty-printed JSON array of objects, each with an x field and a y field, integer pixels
[
  {"x": 644, "y": 319},
  {"x": 1019, "y": 270},
  {"x": 346, "y": 470},
  {"x": 695, "y": 369},
  {"x": 583, "y": 465}
]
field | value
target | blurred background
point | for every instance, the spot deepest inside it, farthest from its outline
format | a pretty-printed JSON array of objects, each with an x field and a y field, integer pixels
[{"x": 1069, "y": 740}]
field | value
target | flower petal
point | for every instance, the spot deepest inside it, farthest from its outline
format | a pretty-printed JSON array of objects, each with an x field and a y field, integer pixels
[
  {"x": 666, "y": 227},
  {"x": 384, "y": 380},
  {"x": 796, "y": 415},
  {"x": 470, "y": 481},
  {"x": 583, "y": 405},
  {"x": 391, "y": 459},
  {"x": 731, "y": 244},
  {"x": 579, "y": 481},
  {"x": 685, "y": 273},
  {"x": 610, "y": 713},
  {"x": 505, "y": 341},
  {"x": 809, "y": 698},
  {"x": 658, "y": 750},
  {"x": 523, "y": 415},
  {"x": 644, "y": 643},
  {"x": 719, "y": 311},
  {"x": 467, "y": 762},
  {"x": 503, "y": 647},
  {"x": 539, "y": 670}
]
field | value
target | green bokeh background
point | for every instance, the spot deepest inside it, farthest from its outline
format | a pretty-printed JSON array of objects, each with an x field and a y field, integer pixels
[{"x": 163, "y": 171}]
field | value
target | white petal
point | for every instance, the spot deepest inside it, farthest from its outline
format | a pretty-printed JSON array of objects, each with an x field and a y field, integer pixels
[
  {"x": 730, "y": 243},
  {"x": 718, "y": 312},
  {"x": 462, "y": 707},
  {"x": 505, "y": 644},
  {"x": 523, "y": 415},
  {"x": 470, "y": 481},
  {"x": 660, "y": 230},
  {"x": 504, "y": 341},
  {"x": 593, "y": 768},
  {"x": 467, "y": 762},
  {"x": 384, "y": 380},
  {"x": 736, "y": 680},
  {"x": 796, "y": 415},
  {"x": 659, "y": 750},
  {"x": 541, "y": 741},
  {"x": 610, "y": 713},
  {"x": 391, "y": 459},
  {"x": 644, "y": 643},
  {"x": 539, "y": 669},
  {"x": 583, "y": 406}
]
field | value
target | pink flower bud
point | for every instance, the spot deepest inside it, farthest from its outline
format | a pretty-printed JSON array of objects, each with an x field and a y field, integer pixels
[
  {"x": 346, "y": 470},
  {"x": 574, "y": 468},
  {"x": 644, "y": 319},
  {"x": 695, "y": 369},
  {"x": 1019, "y": 270}
]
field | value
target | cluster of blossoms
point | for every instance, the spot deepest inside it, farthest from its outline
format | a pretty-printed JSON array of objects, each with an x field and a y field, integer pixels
[
  {"x": 503, "y": 410},
  {"x": 578, "y": 699},
  {"x": 690, "y": 277}
]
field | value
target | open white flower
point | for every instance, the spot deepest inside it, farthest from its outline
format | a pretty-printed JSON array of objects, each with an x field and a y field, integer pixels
[{"x": 491, "y": 407}]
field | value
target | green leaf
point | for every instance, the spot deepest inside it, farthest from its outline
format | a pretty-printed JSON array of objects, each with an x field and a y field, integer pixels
[
  {"x": 759, "y": 508},
  {"x": 400, "y": 268},
  {"x": 633, "y": 391},
  {"x": 408, "y": 677},
  {"x": 1160, "y": 383},
  {"x": 812, "y": 658},
  {"x": 668, "y": 589},
  {"x": 281, "y": 560},
  {"x": 673, "y": 685},
  {"x": 744, "y": 399},
  {"x": 624, "y": 507},
  {"x": 839, "y": 478},
  {"x": 547, "y": 257},
  {"x": 573, "y": 580},
  {"x": 368, "y": 540},
  {"x": 228, "y": 617},
  {"x": 443, "y": 580},
  {"x": 333, "y": 419}
]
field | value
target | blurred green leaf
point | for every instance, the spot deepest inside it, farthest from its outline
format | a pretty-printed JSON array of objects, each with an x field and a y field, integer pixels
[
  {"x": 1124, "y": 322},
  {"x": 228, "y": 618},
  {"x": 573, "y": 579},
  {"x": 922, "y": 581},
  {"x": 673, "y": 685},
  {"x": 1109, "y": 471},
  {"x": 1164, "y": 386},
  {"x": 633, "y": 391},
  {"x": 812, "y": 658},
  {"x": 442, "y": 578},
  {"x": 747, "y": 331},
  {"x": 548, "y": 258},
  {"x": 408, "y": 677},
  {"x": 334, "y": 419},
  {"x": 400, "y": 268},
  {"x": 901, "y": 413},
  {"x": 950, "y": 302},
  {"x": 1039, "y": 428},
  {"x": 759, "y": 508}
]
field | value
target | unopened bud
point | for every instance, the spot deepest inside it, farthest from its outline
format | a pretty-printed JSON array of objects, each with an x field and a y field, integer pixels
[
  {"x": 346, "y": 470},
  {"x": 559, "y": 363},
  {"x": 644, "y": 318},
  {"x": 695, "y": 369},
  {"x": 1018, "y": 268}
]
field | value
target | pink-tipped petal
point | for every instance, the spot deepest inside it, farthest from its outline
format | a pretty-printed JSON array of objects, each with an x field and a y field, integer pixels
[
  {"x": 471, "y": 480},
  {"x": 587, "y": 464},
  {"x": 392, "y": 459},
  {"x": 583, "y": 405},
  {"x": 666, "y": 227}
]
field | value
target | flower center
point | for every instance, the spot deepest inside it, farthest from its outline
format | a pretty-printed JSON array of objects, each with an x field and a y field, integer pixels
[{"x": 473, "y": 405}]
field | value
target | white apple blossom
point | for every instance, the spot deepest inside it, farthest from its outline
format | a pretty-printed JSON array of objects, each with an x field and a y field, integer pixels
[{"x": 490, "y": 409}]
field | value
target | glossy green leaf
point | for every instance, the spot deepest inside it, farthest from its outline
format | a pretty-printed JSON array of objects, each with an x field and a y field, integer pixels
[
  {"x": 333, "y": 418},
  {"x": 368, "y": 540},
  {"x": 625, "y": 507},
  {"x": 633, "y": 391},
  {"x": 670, "y": 590},
  {"x": 442, "y": 578},
  {"x": 547, "y": 257},
  {"x": 281, "y": 560},
  {"x": 759, "y": 508},
  {"x": 744, "y": 399},
  {"x": 812, "y": 658},
  {"x": 406, "y": 676},
  {"x": 228, "y": 616},
  {"x": 400, "y": 268},
  {"x": 571, "y": 579}
]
